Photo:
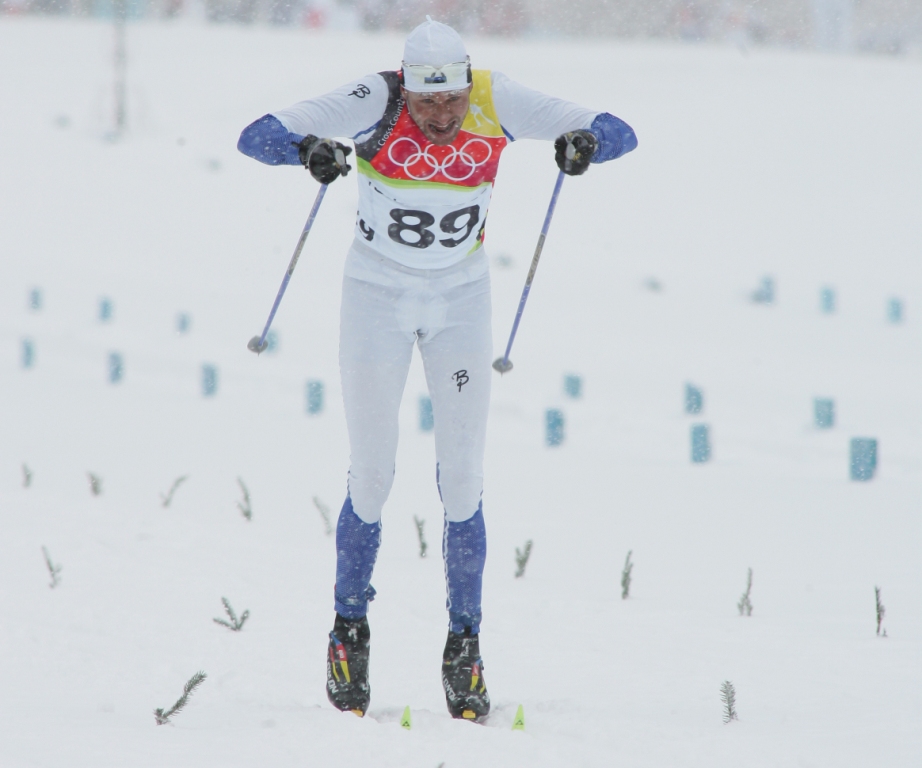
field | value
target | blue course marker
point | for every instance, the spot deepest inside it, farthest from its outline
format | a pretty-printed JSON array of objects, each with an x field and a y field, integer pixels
[
  {"x": 700, "y": 443},
  {"x": 116, "y": 367},
  {"x": 426, "y": 419},
  {"x": 824, "y": 413},
  {"x": 863, "y": 458},
  {"x": 314, "y": 393},
  {"x": 765, "y": 293},
  {"x": 694, "y": 399},
  {"x": 28, "y": 353},
  {"x": 895, "y": 311},
  {"x": 573, "y": 386},
  {"x": 553, "y": 427},
  {"x": 209, "y": 380}
]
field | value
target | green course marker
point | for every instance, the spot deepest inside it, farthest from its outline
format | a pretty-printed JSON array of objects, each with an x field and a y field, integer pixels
[
  {"x": 405, "y": 720},
  {"x": 519, "y": 723}
]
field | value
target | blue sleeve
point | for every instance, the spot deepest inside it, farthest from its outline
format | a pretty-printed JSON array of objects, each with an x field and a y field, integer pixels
[
  {"x": 270, "y": 142},
  {"x": 615, "y": 137}
]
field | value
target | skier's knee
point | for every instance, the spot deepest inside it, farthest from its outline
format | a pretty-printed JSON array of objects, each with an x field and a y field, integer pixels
[
  {"x": 461, "y": 494},
  {"x": 369, "y": 489}
]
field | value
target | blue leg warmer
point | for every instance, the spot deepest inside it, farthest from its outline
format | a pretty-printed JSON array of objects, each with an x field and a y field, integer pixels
[
  {"x": 464, "y": 549},
  {"x": 356, "y": 551}
]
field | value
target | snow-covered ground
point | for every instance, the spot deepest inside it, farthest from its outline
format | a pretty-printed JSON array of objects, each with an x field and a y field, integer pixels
[{"x": 802, "y": 167}]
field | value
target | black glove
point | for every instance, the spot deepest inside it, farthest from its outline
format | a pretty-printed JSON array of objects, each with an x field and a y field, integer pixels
[
  {"x": 324, "y": 158},
  {"x": 574, "y": 151}
]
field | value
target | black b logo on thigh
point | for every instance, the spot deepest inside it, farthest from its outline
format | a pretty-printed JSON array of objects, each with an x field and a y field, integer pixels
[{"x": 461, "y": 378}]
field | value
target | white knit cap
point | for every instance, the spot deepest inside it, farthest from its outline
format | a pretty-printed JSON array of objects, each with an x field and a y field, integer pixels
[{"x": 434, "y": 46}]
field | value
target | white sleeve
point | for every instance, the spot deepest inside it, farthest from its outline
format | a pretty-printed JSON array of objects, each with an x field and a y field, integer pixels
[
  {"x": 346, "y": 112},
  {"x": 528, "y": 114}
]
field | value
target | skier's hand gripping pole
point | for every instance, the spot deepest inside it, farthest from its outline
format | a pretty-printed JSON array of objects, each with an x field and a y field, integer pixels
[
  {"x": 258, "y": 343},
  {"x": 504, "y": 364}
]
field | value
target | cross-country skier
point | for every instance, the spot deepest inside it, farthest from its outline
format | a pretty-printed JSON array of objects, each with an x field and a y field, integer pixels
[{"x": 428, "y": 138}]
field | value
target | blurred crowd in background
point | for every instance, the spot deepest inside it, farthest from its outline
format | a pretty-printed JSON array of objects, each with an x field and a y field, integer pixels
[{"x": 882, "y": 26}]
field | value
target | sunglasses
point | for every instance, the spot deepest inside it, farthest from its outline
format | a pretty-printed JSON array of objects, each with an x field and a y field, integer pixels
[{"x": 448, "y": 77}]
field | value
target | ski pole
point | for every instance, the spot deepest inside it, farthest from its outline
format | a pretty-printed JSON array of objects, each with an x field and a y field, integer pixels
[
  {"x": 504, "y": 364},
  {"x": 258, "y": 343}
]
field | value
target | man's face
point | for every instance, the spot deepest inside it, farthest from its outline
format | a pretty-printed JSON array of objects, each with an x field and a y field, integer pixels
[{"x": 439, "y": 115}]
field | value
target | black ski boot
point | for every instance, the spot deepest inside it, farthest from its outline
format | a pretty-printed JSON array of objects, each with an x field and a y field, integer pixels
[
  {"x": 462, "y": 677},
  {"x": 347, "y": 665}
]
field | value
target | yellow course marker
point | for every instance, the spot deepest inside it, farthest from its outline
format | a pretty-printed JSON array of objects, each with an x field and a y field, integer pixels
[
  {"x": 519, "y": 723},
  {"x": 405, "y": 721}
]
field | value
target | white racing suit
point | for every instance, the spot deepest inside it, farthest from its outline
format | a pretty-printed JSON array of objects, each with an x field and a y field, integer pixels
[{"x": 417, "y": 274}]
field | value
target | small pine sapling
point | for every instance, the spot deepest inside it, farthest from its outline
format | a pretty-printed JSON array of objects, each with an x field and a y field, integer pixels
[
  {"x": 167, "y": 498},
  {"x": 163, "y": 716},
  {"x": 422, "y": 537},
  {"x": 324, "y": 511},
  {"x": 235, "y": 624},
  {"x": 53, "y": 570},
  {"x": 744, "y": 605},
  {"x": 728, "y": 697},
  {"x": 626, "y": 576},
  {"x": 244, "y": 505},
  {"x": 26, "y": 476},
  {"x": 95, "y": 483},
  {"x": 521, "y": 559},
  {"x": 881, "y": 612}
]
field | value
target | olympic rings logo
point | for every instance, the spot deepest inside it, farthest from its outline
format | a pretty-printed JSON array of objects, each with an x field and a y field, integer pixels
[{"x": 419, "y": 165}]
